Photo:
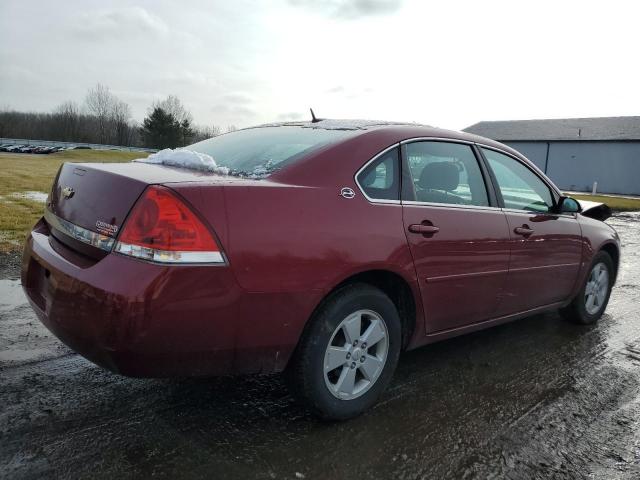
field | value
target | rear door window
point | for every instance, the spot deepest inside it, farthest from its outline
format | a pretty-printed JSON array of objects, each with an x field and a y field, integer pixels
[{"x": 447, "y": 173}]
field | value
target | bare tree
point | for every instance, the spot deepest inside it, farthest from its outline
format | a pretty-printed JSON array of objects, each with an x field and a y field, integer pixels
[
  {"x": 103, "y": 118},
  {"x": 121, "y": 119},
  {"x": 100, "y": 102},
  {"x": 231, "y": 128},
  {"x": 112, "y": 116},
  {"x": 203, "y": 132},
  {"x": 173, "y": 106},
  {"x": 65, "y": 123}
]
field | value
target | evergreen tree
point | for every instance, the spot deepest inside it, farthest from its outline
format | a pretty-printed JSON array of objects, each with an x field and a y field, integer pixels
[
  {"x": 161, "y": 130},
  {"x": 187, "y": 131}
]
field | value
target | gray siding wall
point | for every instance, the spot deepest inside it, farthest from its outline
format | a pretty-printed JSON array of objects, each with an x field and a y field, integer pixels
[
  {"x": 576, "y": 165},
  {"x": 534, "y": 151}
]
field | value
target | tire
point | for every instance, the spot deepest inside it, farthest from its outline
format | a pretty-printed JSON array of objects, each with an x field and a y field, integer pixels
[
  {"x": 583, "y": 311},
  {"x": 329, "y": 395}
]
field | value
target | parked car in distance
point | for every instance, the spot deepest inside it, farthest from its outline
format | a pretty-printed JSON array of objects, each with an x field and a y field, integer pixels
[{"x": 320, "y": 249}]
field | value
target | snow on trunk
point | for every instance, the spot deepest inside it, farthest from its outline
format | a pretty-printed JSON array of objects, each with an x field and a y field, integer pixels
[{"x": 185, "y": 159}]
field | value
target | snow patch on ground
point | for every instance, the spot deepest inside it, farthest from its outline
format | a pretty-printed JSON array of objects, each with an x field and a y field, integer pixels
[
  {"x": 185, "y": 159},
  {"x": 31, "y": 195}
]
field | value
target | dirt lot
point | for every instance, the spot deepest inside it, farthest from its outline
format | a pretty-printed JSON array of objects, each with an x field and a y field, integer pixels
[{"x": 538, "y": 398}]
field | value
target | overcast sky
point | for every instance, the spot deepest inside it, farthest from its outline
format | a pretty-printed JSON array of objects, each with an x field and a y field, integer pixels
[{"x": 447, "y": 63}]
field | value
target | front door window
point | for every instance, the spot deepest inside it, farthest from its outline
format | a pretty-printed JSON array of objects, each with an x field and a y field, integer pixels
[{"x": 521, "y": 189}]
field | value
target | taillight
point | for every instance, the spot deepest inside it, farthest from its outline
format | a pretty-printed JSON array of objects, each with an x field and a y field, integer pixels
[{"x": 162, "y": 228}]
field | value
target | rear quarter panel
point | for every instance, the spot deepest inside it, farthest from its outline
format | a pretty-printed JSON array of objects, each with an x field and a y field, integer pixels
[{"x": 294, "y": 238}]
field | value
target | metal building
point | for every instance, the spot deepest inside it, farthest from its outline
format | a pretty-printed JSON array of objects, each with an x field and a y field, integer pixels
[{"x": 576, "y": 152}]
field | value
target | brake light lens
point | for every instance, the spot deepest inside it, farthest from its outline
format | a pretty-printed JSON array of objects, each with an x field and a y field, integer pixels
[{"x": 162, "y": 228}]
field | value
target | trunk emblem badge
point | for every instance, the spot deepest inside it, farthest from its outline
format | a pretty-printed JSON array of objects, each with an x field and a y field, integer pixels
[
  {"x": 68, "y": 192},
  {"x": 106, "y": 228},
  {"x": 347, "y": 192}
]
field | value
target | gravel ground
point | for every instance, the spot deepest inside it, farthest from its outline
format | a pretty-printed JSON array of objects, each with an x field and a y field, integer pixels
[{"x": 537, "y": 398}]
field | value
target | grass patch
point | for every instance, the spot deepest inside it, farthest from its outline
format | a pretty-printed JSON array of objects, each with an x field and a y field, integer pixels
[
  {"x": 615, "y": 203},
  {"x": 24, "y": 173}
]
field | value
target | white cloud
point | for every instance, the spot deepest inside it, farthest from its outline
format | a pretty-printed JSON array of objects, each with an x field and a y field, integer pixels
[
  {"x": 124, "y": 23},
  {"x": 291, "y": 116},
  {"x": 350, "y": 9}
]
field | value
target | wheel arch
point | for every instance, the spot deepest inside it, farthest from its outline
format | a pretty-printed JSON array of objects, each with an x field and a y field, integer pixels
[
  {"x": 395, "y": 286},
  {"x": 614, "y": 252}
]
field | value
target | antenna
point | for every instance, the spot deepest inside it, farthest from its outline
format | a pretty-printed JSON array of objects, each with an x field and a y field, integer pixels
[{"x": 313, "y": 117}]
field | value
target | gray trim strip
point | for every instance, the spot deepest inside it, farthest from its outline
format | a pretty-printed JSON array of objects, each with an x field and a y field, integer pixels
[
  {"x": 78, "y": 233},
  {"x": 542, "y": 267},
  {"x": 534, "y": 213},
  {"x": 444, "y": 278},
  {"x": 436, "y": 139},
  {"x": 449, "y": 205}
]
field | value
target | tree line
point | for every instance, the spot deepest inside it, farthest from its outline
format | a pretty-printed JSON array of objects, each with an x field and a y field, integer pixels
[{"x": 105, "y": 119}]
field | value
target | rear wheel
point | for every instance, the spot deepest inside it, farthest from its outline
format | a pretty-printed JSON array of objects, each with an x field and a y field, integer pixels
[
  {"x": 591, "y": 301},
  {"x": 348, "y": 354}
]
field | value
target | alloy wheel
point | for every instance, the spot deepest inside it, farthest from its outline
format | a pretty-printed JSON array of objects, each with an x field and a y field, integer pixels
[
  {"x": 595, "y": 292},
  {"x": 356, "y": 354}
]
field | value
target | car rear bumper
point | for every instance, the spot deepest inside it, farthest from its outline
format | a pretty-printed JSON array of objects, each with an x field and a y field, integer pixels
[{"x": 148, "y": 320}]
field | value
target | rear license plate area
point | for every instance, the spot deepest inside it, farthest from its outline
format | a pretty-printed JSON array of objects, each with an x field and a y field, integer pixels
[{"x": 38, "y": 283}]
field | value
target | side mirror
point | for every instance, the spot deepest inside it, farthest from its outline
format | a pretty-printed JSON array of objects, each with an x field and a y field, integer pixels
[{"x": 567, "y": 205}]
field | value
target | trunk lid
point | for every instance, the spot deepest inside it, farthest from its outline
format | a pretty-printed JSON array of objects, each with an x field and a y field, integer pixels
[
  {"x": 93, "y": 198},
  {"x": 99, "y": 196}
]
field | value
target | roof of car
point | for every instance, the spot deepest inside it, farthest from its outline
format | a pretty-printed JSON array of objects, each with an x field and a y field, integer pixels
[
  {"x": 339, "y": 124},
  {"x": 411, "y": 129},
  {"x": 400, "y": 130}
]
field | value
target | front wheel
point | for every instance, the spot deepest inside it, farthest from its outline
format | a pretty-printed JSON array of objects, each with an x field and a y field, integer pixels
[
  {"x": 591, "y": 301},
  {"x": 348, "y": 354}
]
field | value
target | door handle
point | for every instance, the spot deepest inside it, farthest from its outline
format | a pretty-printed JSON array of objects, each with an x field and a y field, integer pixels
[
  {"x": 524, "y": 230},
  {"x": 423, "y": 229}
]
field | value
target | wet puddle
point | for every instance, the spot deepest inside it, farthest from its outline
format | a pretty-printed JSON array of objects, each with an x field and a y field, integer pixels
[
  {"x": 10, "y": 356},
  {"x": 11, "y": 295}
]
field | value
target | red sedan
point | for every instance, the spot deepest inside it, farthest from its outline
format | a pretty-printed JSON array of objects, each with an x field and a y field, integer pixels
[{"x": 322, "y": 249}]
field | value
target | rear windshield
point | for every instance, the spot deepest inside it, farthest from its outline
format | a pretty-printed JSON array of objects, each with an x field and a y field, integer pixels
[{"x": 260, "y": 151}]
